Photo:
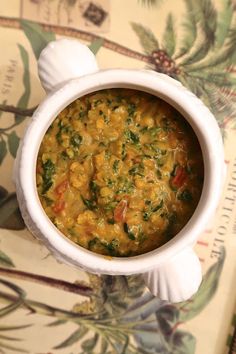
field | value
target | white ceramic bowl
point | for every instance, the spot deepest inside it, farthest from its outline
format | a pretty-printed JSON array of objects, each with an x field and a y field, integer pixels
[{"x": 68, "y": 70}]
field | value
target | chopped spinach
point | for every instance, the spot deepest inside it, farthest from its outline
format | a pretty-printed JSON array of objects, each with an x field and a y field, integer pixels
[
  {"x": 76, "y": 140},
  {"x": 137, "y": 169},
  {"x": 124, "y": 186},
  {"x": 110, "y": 206},
  {"x": 111, "y": 247},
  {"x": 123, "y": 152},
  {"x": 93, "y": 186},
  {"x": 185, "y": 195},
  {"x": 110, "y": 183},
  {"x": 127, "y": 230},
  {"x": 48, "y": 201},
  {"x": 82, "y": 114},
  {"x": 159, "y": 175},
  {"x": 97, "y": 102},
  {"x": 131, "y": 137},
  {"x": 115, "y": 166},
  {"x": 48, "y": 171},
  {"x": 64, "y": 155},
  {"x": 152, "y": 209},
  {"x": 62, "y": 129},
  {"x": 131, "y": 109},
  {"x": 89, "y": 203},
  {"x": 111, "y": 221}
]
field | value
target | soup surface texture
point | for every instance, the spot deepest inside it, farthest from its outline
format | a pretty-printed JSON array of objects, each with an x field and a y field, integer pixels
[{"x": 119, "y": 172}]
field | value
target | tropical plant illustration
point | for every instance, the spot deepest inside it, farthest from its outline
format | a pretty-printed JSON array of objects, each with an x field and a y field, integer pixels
[
  {"x": 118, "y": 316},
  {"x": 203, "y": 59}
]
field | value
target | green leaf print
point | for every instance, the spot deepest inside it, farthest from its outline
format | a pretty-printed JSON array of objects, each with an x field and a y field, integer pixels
[
  {"x": 73, "y": 338},
  {"x": 169, "y": 39},
  {"x": 3, "y": 150},
  {"x": 37, "y": 37},
  {"x": 207, "y": 290},
  {"x": 183, "y": 343},
  {"x": 146, "y": 38},
  {"x": 13, "y": 143},
  {"x": 224, "y": 23},
  {"x": 5, "y": 261},
  {"x": 89, "y": 344},
  {"x": 24, "y": 99},
  {"x": 203, "y": 58},
  {"x": 150, "y": 3},
  {"x": 10, "y": 217},
  {"x": 96, "y": 45}
]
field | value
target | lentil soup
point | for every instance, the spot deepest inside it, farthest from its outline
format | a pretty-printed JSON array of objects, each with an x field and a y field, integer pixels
[{"x": 119, "y": 172}]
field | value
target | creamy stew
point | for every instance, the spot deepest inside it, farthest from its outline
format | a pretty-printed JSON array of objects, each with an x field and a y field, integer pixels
[{"x": 119, "y": 172}]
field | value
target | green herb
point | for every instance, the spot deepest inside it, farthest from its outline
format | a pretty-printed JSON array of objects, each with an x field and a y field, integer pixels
[
  {"x": 48, "y": 201},
  {"x": 110, "y": 183},
  {"x": 76, "y": 140},
  {"x": 48, "y": 171},
  {"x": 144, "y": 130},
  {"x": 129, "y": 120},
  {"x": 92, "y": 243},
  {"x": 115, "y": 166},
  {"x": 82, "y": 114},
  {"x": 131, "y": 109},
  {"x": 110, "y": 206},
  {"x": 127, "y": 230},
  {"x": 111, "y": 221},
  {"x": 107, "y": 154},
  {"x": 152, "y": 209},
  {"x": 186, "y": 196},
  {"x": 152, "y": 131},
  {"x": 89, "y": 203},
  {"x": 123, "y": 152},
  {"x": 111, "y": 246},
  {"x": 125, "y": 186},
  {"x": 159, "y": 175},
  {"x": 64, "y": 155},
  {"x": 142, "y": 237},
  {"x": 97, "y": 102},
  {"x": 132, "y": 137},
  {"x": 137, "y": 169},
  {"x": 157, "y": 207},
  {"x": 93, "y": 186},
  {"x": 62, "y": 129}
]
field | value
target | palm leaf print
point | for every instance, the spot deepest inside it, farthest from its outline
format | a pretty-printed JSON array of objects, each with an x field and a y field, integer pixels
[
  {"x": 146, "y": 38},
  {"x": 203, "y": 59}
]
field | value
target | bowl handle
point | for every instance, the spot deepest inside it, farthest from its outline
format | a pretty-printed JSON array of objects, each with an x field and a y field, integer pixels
[
  {"x": 177, "y": 279},
  {"x": 63, "y": 60}
]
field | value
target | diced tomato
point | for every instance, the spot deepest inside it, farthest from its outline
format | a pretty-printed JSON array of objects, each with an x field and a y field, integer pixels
[
  {"x": 59, "y": 206},
  {"x": 120, "y": 211},
  {"x": 62, "y": 187},
  {"x": 179, "y": 178}
]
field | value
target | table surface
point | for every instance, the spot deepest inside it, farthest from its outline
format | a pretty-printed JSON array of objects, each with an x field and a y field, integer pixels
[{"x": 47, "y": 307}]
